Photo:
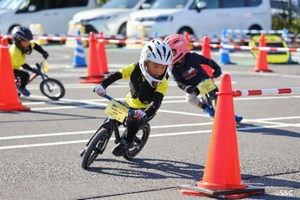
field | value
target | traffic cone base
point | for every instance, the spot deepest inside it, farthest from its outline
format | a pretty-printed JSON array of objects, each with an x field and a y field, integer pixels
[
  {"x": 220, "y": 186},
  {"x": 260, "y": 70},
  {"x": 195, "y": 190},
  {"x": 292, "y": 62},
  {"x": 92, "y": 79},
  {"x": 14, "y": 107}
]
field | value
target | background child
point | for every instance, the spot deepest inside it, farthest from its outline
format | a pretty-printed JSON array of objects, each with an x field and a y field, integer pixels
[
  {"x": 188, "y": 72},
  {"x": 148, "y": 86},
  {"x": 21, "y": 47}
]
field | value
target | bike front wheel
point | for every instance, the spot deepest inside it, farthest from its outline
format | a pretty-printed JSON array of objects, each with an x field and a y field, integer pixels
[
  {"x": 96, "y": 146},
  {"x": 52, "y": 88},
  {"x": 138, "y": 143}
]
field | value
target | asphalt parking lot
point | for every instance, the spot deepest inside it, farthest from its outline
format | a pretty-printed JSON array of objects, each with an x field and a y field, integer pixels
[{"x": 39, "y": 149}]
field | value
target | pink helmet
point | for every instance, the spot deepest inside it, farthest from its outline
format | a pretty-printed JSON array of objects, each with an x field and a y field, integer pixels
[{"x": 179, "y": 43}]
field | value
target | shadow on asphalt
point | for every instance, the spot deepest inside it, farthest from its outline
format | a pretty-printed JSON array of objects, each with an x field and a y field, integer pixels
[
  {"x": 250, "y": 128},
  {"x": 164, "y": 169},
  {"x": 142, "y": 168}
]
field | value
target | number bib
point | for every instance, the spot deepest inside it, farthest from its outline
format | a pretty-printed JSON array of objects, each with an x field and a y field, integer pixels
[
  {"x": 116, "y": 110},
  {"x": 45, "y": 66},
  {"x": 206, "y": 86}
]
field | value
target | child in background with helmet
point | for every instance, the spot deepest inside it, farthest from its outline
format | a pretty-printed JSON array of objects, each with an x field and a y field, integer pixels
[
  {"x": 148, "y": 86},
  {"x": 21, "y": 47},
  {"x": 188, "y": 72}
]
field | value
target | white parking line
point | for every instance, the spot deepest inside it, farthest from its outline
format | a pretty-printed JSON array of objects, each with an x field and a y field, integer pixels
[
  {"x": 152, "y": 136},
  {"x": 263, "y": 120},
  {"x": 180, "y": 99},
  {"x": 168, "y": 99},
  {"x": 92, "y": 131}
]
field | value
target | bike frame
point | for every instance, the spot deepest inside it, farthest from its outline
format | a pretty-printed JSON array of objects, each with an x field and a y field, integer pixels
[
  {"x": 97, "y": 143},
  {"x": 211, "y": 97},
  {"x": 34, "y": 75},
  {"x": 51, "y": 88},
  {"x": 111, "y": 124},
  {"x": 43, "y": 76}
]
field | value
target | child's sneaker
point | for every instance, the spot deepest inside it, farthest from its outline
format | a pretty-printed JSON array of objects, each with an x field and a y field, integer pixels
[
  {"x": 24, "y": 91},
  {"x": 120, "y": 149},
  {"x": 238, "y": 118},
  {"x": 209, "y": 111}
]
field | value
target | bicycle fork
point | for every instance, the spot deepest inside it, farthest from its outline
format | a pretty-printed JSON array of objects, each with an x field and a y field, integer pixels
[
  {"x": 44, "y": 79},
  {"x": 108, "y": 124}
]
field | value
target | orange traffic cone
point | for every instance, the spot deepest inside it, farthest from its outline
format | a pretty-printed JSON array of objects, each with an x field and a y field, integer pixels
[
  {"x": 261, "y": 62},
  {"x": 187, "y": 37},
  {"x": 94, "y": 73},
  {"x": 206, "y": 53},
  {"x": 222, "y": 176},
  {"x": 102, "y": 53},
  {"x": 9, "y": 100}
]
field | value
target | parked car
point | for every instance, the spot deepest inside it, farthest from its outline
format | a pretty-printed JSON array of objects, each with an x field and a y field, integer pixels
[
  {"x": 52, "y": 15},
  {"x": 201, "y": 17},
  {"x": 111, "y": 18}
]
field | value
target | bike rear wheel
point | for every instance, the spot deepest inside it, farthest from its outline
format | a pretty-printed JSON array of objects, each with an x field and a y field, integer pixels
[
  {"x": 52, "y": 88},
  {"x": 138, "y": 143},
  {"x": 96, "y": 146}
]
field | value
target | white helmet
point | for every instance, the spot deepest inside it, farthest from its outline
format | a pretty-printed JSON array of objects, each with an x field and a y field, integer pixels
[{"x": 158, "y": 52}]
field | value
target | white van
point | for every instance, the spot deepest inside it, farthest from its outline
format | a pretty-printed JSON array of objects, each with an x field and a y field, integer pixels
[
  {"x": 111, "y": 18},
  {"x": 201, "y": 17},
  {"x": 52, "y": 15}
]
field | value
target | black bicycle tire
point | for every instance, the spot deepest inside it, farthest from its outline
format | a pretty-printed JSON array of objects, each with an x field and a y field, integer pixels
[
  {"x": 146, "y": 132},
  {"x": 58, "y": 83},
  {"x": 87, "y": 160}
]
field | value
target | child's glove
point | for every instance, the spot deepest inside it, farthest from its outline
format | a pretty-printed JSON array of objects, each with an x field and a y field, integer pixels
[
  {"x": 99, "y": 89},
  {"x": 216, "y": 74},
  {"x": 34, "y": 70},
  {"x": 45, "y": 55},
  {"x": 192, "y": 89},
  {"x": 139, "y": 114}
]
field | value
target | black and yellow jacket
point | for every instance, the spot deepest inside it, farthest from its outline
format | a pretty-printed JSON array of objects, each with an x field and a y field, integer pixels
[{"x": 141, "y": 95}]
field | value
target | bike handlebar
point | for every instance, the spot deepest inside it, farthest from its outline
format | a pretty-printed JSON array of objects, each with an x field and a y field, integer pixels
[{"x": 131, "y": 111}]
